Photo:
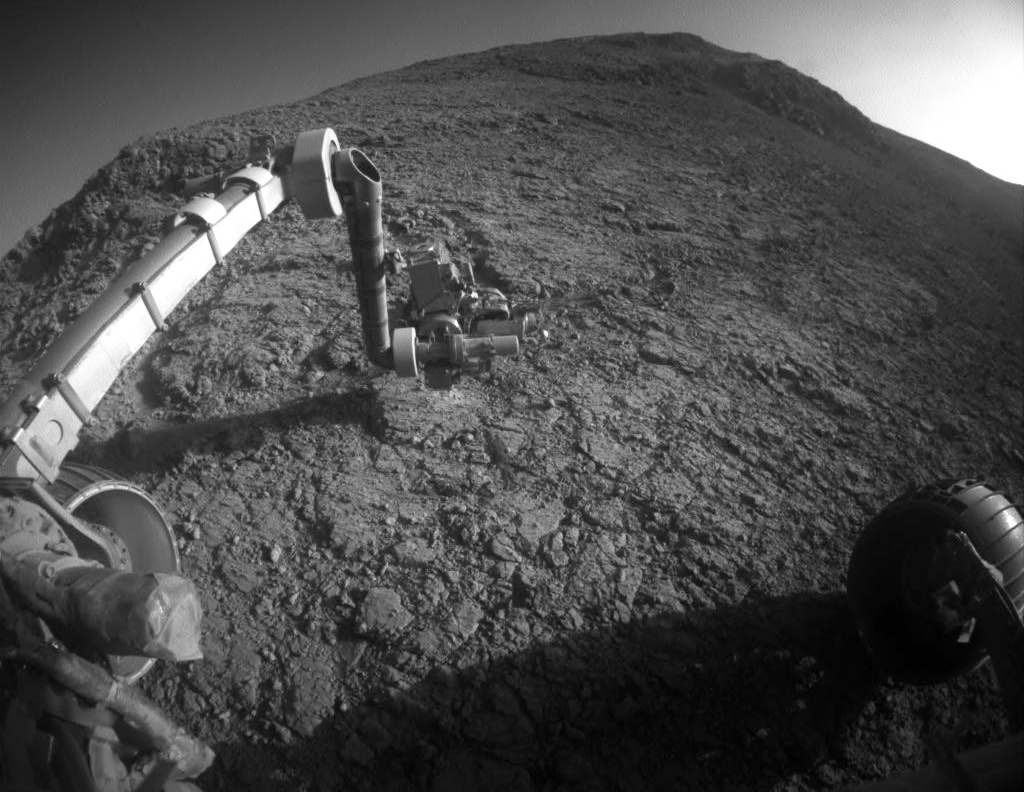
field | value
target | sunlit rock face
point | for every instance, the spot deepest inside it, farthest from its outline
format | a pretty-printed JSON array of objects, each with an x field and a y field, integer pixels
[{"x": 617, "y": 561}]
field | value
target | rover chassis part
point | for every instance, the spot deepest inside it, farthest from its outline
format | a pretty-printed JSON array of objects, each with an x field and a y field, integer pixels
[{"x": 135, "y": 523}]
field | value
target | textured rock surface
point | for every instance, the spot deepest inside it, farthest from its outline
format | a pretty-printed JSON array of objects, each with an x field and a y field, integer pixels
[{"x": 617, "y": 562}]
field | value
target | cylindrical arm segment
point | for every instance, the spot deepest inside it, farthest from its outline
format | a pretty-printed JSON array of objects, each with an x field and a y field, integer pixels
[
  {"x": 41, "y": 419},
  {"x": 359, "y": 184}
]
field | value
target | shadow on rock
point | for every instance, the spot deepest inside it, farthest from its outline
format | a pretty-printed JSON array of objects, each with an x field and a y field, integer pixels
[
  {"x": 736, "y": 697},
  {"x": 138, "y": 450}
]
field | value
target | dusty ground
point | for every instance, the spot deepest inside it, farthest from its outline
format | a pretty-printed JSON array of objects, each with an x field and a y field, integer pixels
[{"x": 617, "y": 562}]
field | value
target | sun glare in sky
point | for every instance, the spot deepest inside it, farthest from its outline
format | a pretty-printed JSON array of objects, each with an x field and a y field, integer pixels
[
  {"x": 958, "y": 84},
  {"x": 947, "y": 72},
  {"x": 989, "y": 111}
]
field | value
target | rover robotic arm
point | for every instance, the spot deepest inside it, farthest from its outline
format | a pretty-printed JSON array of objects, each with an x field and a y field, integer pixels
[
  {"x": 450, "y": 325},
  {"x": 89, "y": 588}
]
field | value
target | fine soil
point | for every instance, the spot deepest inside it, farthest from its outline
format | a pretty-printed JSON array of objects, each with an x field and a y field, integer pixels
[{"x": 618, "y": 561}]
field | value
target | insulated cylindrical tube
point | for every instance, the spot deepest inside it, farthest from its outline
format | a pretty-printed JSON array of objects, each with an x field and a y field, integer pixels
[
  {"x": 517, "y": 326},
  {"x": 191, "y": 756},
  {"x": 110, "y": 611},
  {"x": 358, "y": 182},
  {"x": 458, "y": 349},
  {"x": 464, "y": 348}
]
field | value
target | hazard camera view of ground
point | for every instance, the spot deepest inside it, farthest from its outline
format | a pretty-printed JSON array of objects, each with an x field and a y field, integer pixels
[{"x": 617, "y": 562}]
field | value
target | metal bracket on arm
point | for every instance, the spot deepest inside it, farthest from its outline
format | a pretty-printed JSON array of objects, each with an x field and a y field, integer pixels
[{"x": 204, "y": 213}]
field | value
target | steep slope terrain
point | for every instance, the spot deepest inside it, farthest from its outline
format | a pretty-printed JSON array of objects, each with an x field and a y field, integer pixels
[{"x": 617, "y": 562}]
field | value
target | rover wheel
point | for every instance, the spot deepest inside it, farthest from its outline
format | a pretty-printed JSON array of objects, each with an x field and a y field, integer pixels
[{"x": 885, "y": 575}]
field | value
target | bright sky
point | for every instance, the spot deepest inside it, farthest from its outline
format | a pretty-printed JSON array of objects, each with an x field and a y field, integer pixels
[{"x": 81, "y": 79}]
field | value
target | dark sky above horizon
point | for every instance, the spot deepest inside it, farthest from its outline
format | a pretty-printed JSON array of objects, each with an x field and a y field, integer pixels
[{"x": 82, "y": 79}]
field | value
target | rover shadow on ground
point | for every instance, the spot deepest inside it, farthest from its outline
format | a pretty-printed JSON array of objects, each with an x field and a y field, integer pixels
[{"x": 735, "y": 697}]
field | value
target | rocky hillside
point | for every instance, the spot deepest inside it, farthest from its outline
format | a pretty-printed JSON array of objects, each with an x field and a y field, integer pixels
[{"x": 617, "y": 562}]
